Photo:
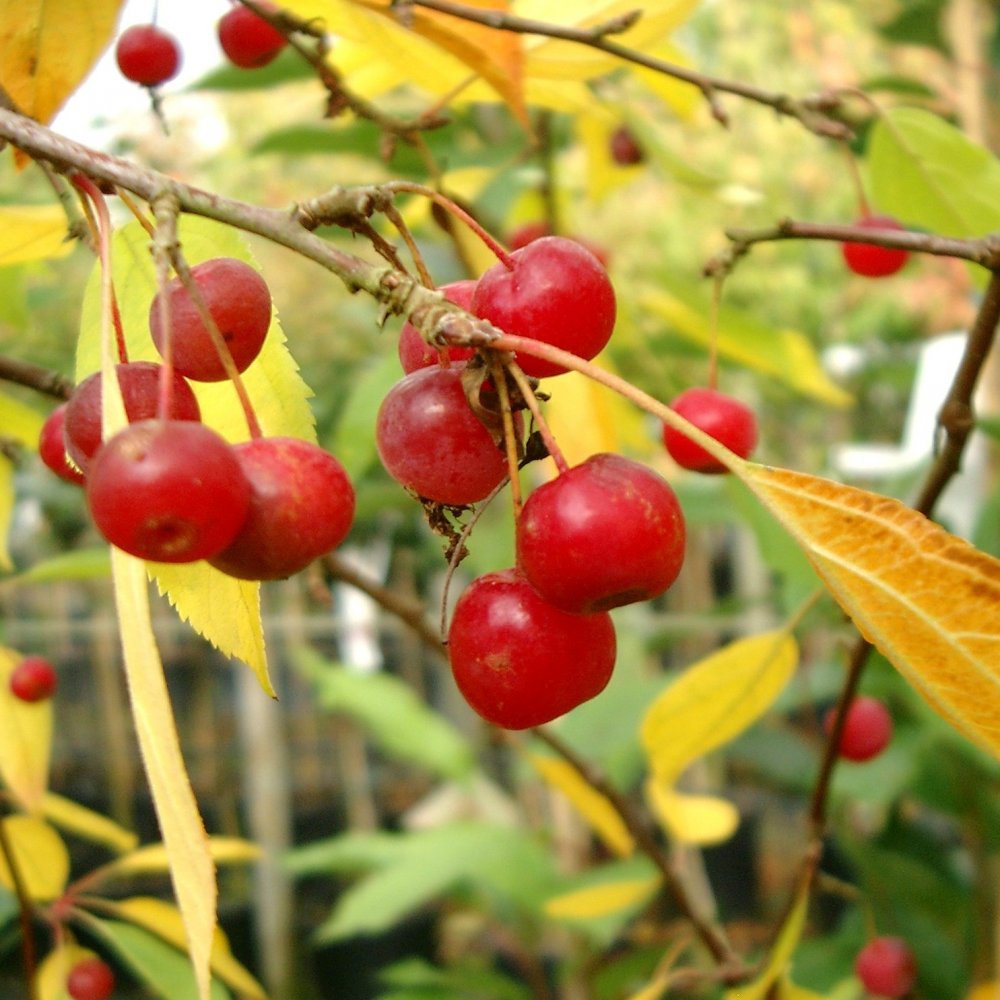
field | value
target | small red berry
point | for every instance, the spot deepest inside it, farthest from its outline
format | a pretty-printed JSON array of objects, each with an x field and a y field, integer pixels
[
  {"x": 33, "y": 679},
  {"x": 519, "y": 661},
  {"x": 148, "y": 55},
  {"x": 248, "y": 40},
  {"x": 886, "y": 967},
  {"x": 624, "y": 147},
  {"x": 722, "y": 417},
  {"x": 867, "y": 729},
  {"x": 871, "y": 260},
  {"x": 415, "y": 352},
  {"x": 52, "y": 447},
  {"x": 90, "y": 979},
  {"x": 605, "y": 533}
]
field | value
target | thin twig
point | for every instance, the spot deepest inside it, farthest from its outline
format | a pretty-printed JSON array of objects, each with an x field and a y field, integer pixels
[{"x": 35, "y": 377}]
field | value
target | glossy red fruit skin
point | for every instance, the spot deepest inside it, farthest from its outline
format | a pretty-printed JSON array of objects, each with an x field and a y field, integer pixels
[
  {"x": 301, "y": 507},
  {"x": 90, "y": 979},
  {"x": 415, "y": 352},
  {"x": 519, "y": 661},
  {"x": 248, "y": 40},
  {"x": 168, "y": 491},
  {"x": 148, "y": 55},
  {"x": 33, "y": 679},
  {"x": 531, "y": 231},
  {"x": 886, "y": 967},
  {"x": 722, "y": 417},
  {"x": 432, "y": 443},
  {"x": 867, "y": 729},
  {"x": 240, "y": 303},
  {"x": 870, "y": 260},
  {"x": 139, "y": 382},
  {"x": 607, "y": 532},
  {"x": 557, "y": 292},
  {"x": 52, "y": 446}
]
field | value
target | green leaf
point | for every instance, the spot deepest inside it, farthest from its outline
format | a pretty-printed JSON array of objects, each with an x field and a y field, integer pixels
[
  {"x": 80, "y": 564},
  {"x": 467, "y": 980},
  {"x": 346, "y": 854},
  {"x": 917, "y": 23},
  {"x": 165, "y": 970},
  {"x": 396, "y": 720},
  {"x": 510, "y": 865},
  {"x": 288, "y": 67},
  {"x": 931, "y": 175}
]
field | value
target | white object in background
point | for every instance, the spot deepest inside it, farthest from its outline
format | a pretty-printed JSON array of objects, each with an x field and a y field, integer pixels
[
  {"x": 359, "y": 641},
  {"x": 936, "y": 366}
]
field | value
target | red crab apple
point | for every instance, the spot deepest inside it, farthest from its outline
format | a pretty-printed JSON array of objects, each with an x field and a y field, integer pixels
[
  {"x": 556, "y": 291},
  {"x": 168, "y": 491},
  {"x": 247, "y": 39},
  {"x": 722, "y": 417},
  {"x": 415, "y": 352},
  {"x": 239, "y": 301},
  {"x": 867, "y": 729},
  {"x": 139, "y": 382},
  {"x": 432, "y": 443},
  {"x": 521, "y": 662},
  {"x": 148, "y": 55},
  {"x": 301, "y": 507},
  {"x": 52, "y": 447},
  {"x": 90, "y": 979},
  {"x": 869, "y": 259},
  {"x": 605, "y": 533},
  {"x": 33, "y": 679},
  {"x": 886, "y": 967},
  {"x": 528, "y": 232}
]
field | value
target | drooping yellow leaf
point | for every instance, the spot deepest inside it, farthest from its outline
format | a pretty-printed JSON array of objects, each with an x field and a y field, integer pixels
[
  {"x": 223, "y": 610},
  {"x": 191, "y": 869},
  {"x": 47, "y": 47},
  {"x": 53, "y": 970},
  {"x": 6, "y": 511},
  {"x": 84, "y": 822},
  {"x": 25, "y": 739},
  {"x": 600, "y": 814},
  {"x": 41, "y": 857},
  {"x": 18, "y": 421},
  {"x": 929, "y": 601},
  {"x": 32, "y": 232},
  {"x": 781, "y": 953},
  {"x": 692, "y": 819},
  {"x": 154, "y": 859},
  {"x": 714, "y": 700},
  {"x": 164, "y": 920},
  {"x": 600, "y": 900},
  {"x": 586, "y": 420}
]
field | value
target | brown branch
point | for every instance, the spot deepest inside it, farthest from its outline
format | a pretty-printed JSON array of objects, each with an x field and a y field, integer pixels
[
  {"x": 811, "y": 112},
  {"x": 36, "y": 377}
]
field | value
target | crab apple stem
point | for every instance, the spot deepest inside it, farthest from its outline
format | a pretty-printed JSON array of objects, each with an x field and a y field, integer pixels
[
  {"x": 409, "y": 187},
  {"x": 537, "y": 349},
  {"x": 509, "y": 438},
  {"x": 531, "y": 401},
  {"x": 102, "y": 218},
  {"x": 713, "y": 332},
  {"x": 393, "y": 215},
  {"x": 855, "y": 174}
]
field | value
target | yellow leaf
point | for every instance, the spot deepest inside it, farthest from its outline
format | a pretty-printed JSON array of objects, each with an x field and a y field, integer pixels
[
  {"x": 19, "y": 421},
  {"x": 53, "y": 970},
  {"x": 587, "y": 420},
  {"x": 600, "y": 814},
  {"x": 652, "y": 990},
  {"x": 6, "y": 511},
  {"x": 191, "y": 867},
  {"x": 781, "y": 953},
  {"x": 683, "y": 98},
  {"x": 600, "y": 900},
  {"x": 155, "y": 858},
  {"x": 47, "y": 47},
  {"x": 32, "y": 232},
  {"x": 985, "y": 991},
  {"x": 782, "y": 354},
  {"x": 927, "y": 600},
  {"x": 715, "y": 700},
  {"x": 84, "y": 822},
  {"x": 25, "y": 739},
  {"x": 40, "y": 855},
  {"x": 164, "y": 920},
  {"x": 692, "y": 819}
]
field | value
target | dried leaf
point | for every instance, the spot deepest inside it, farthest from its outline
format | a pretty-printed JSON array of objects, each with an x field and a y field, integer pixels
[
  {"x": 25, "y": 739},
  {"x": 41, "y": 856},
  {"x": 600, "y": 814},
  {"x": 47, "y": 47},
  {"x": 930, "y": 602}
]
